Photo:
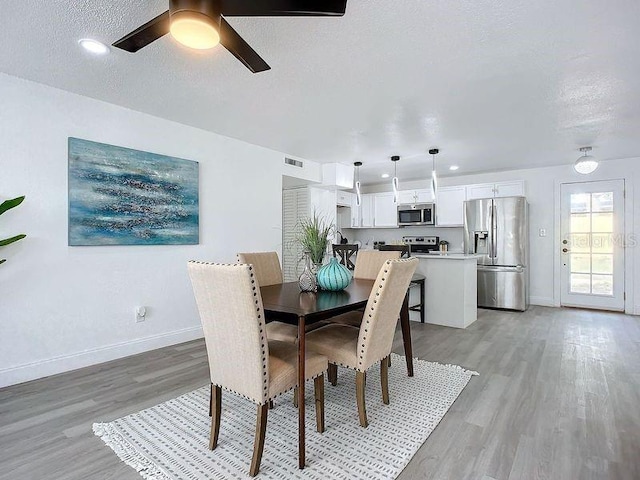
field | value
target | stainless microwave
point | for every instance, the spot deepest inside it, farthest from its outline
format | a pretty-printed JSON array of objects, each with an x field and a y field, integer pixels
[{"x": 416, "y": 214}]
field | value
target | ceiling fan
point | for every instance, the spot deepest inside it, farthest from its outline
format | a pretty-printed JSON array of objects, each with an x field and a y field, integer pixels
[{"x": 200, "y": 24}]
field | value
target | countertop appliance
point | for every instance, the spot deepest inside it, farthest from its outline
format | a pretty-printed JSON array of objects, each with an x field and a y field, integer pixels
[
  {"x": 416, "y": 214},
  {"x": 497, "y": 229},
  {"x": 422, "y": 244}
]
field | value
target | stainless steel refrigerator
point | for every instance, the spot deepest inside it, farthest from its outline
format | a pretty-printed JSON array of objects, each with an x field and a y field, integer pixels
[{"x": 497, "y": 229}]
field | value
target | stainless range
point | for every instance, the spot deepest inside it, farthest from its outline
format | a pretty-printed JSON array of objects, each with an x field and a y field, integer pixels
[{"x": 422, "y": 244}]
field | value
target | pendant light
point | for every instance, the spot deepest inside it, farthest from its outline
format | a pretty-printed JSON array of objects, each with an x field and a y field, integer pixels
[
  {"x": 357, "y": 166},
  {"x": 394, "y": 181},
  {"x": 434, "y": 178},
  {"x": 586, "y": 164}
]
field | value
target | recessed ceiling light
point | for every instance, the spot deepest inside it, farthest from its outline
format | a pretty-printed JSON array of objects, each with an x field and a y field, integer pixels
[
  {"x": 454, "y": 167},
  {"x": 385, "y": 175},
  {"x": 93, "y": 46}
]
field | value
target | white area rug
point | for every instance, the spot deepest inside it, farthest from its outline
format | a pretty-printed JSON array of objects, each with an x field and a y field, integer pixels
[{"x": 170, "y": 440}]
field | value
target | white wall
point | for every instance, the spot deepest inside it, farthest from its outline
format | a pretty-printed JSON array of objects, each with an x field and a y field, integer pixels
[
  {"x": 542, "y": 190},
  {"x": 66, "y": 307}
]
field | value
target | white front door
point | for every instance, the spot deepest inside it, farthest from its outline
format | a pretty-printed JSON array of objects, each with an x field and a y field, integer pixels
[{"x": 592, "y": 244}]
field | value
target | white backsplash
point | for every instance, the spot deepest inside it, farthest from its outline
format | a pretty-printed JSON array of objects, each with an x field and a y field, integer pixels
[{"x": 394, "y": 235}]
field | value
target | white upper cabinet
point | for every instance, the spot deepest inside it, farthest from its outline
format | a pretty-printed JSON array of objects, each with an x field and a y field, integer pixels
[
  {"x": 510, "y": 189},
  {"x": 362, "y": 216},
  {"x": 366, "y": 211},
  {"x": 450, "y": 206},
  {"x": 491, "y": 190},
  {"x": 385, "y": 210},
  {"x": 415, "y": 196},
  {"x": 344, "y": 199}
]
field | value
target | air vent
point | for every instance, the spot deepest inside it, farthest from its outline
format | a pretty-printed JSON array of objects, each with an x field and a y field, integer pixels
[{"x": 291, "y": 161}]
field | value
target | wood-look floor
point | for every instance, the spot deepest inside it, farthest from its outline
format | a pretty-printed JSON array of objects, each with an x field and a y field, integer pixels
[{"x": 558, "y": 397}]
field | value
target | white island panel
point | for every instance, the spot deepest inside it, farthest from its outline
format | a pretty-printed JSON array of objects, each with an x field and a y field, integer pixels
[{"x": 451, "y": 289}]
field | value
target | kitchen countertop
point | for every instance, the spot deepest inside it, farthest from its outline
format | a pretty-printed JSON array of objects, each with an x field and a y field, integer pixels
[{"x": 447, "y": 256}]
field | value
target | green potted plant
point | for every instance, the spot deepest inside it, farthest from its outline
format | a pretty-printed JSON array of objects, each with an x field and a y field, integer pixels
[
  {"x": 313, "y": 236},
  {"x": 4, "y": 206}
]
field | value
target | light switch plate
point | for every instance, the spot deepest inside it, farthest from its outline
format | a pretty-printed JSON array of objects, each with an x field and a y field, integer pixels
[{"x": 542, "y": 232}]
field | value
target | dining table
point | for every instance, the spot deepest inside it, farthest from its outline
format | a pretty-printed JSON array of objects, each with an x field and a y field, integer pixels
[{"x": 285, "y": 302}]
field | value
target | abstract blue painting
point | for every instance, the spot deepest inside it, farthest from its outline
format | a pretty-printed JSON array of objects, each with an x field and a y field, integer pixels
[{"x": 120, "y": 196}]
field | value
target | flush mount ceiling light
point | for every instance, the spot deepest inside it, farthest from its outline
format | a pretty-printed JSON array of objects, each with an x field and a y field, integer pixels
[
  {"x": 434, "y": 179},
  {"x": 194, "y": 29},
  {"x": 586, "y": 164},
  {"x": 357, "y": 166},
  {"x": 385, "y": 175},
  {"x": 93, "y": 46},
  {"x": 394, "y": 180},
  {"x": 454, "y": 167}
]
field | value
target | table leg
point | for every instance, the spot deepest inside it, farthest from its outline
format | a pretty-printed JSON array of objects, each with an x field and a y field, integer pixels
[
  {"x": 406, "y": 334},
  {"x": 301, "y": 377},
  {"x": 422, "y": 288}
]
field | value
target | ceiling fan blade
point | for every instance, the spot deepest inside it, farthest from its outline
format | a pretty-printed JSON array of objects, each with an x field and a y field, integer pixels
[
  {"x": 144, "y": 35},
  {"x": 233, "y": 42},
  {"x": 282, "y": 8}
]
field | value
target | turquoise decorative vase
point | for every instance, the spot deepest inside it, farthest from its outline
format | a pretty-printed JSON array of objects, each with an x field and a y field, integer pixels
[{"x": 333, "y": 276}]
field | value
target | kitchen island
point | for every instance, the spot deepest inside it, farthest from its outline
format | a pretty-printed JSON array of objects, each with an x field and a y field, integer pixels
[{"x": 451, "y": 288}]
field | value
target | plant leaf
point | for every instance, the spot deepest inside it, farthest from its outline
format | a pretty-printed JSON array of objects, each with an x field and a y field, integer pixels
[
  {"x": 7, "y": 204},
  {"x": 7, "y": 241}
]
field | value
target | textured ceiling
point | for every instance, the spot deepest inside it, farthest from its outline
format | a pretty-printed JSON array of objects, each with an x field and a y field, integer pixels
[{"x": 493, "y": 84}]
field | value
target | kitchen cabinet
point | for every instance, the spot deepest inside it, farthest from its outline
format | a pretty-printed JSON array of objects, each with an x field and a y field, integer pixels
[
  {"x": 366, "y": 211},
  {"x": 344, "y": 199},
  {"x": 415, "y": 196},
  {"x": 362, "y": 215},
  {"x": 450, "y": 206},
  {"x": 385, "y": 211},
  {"x": 494, "y": 190}
]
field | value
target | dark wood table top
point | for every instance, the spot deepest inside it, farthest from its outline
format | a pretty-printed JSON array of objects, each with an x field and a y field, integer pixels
[{"x": 286, "y": 302}]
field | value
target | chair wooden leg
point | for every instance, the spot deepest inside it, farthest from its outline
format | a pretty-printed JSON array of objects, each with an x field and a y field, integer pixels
[
  {"x": 295, "y": 397},
  {"x": 211, "y": 400},
  {"x": 215, "y": 406},
  {"x": 258, "y": 443},
  {"x": 270, "y": 404},
  {"x": 318, "y": 390},
  {"x": 389, "y": 360},
  {"x": 360, "y": 384},
  {"x": 332, "y": 374},
  {"x": 384, "y": 380}
]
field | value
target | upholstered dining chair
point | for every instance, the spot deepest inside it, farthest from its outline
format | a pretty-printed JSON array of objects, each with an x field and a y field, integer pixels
[
  {"x": 368, "y": 265},
  {"x": 359, "y": 349},
  {"x": 266, "y": 267},
  {"x": 343, "y": 252},
  {"x": 241, "y": 358}
]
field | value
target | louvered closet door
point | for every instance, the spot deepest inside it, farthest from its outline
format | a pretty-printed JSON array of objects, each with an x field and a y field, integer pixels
[{"x": 295, "y": 206}]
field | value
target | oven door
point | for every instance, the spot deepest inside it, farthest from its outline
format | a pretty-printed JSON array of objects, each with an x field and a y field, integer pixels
[{"x": 407, "y": 216}]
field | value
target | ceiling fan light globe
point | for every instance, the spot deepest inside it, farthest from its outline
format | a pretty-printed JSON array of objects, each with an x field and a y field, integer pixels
[
  {"x": 586, "y": 165},
  {"x": 194, "y": 30}
]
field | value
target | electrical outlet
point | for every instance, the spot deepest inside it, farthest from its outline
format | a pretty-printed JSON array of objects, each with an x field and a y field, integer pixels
[
  {"x": 141, "y": 314},
  {"x": 542, "y": 232}
]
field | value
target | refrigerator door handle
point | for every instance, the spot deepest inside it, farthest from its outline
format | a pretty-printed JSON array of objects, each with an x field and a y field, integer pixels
[{"x": 494, "y": 231}]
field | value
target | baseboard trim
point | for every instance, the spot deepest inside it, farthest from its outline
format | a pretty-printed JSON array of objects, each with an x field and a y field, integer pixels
[
  {"x": 65, "y": 363},
  {"x": 542, "y": 301}
]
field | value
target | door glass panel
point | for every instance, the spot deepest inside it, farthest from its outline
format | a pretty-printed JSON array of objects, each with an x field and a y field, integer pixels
[
  {"x": 602, "y": 243},
  {"x": 602, "y": 284},
  {"x": 600, "y": 222},
  {"x": 580, "y": 202},
  {"x": 581, "y": 263},
  {"x": 602, "y": 202},
  {"x": 580, "y": 243},
  {"x": 601, "y": 264},
  {"x": 580, "y": 283},
  {"x": 580, "y": 222}
]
